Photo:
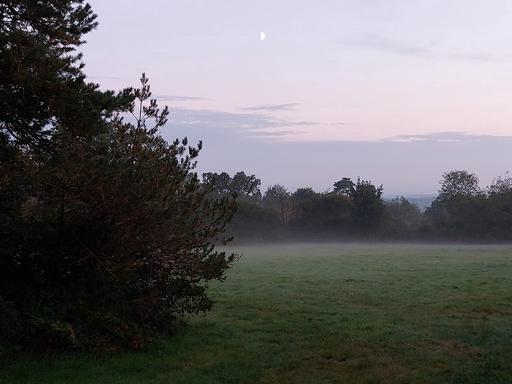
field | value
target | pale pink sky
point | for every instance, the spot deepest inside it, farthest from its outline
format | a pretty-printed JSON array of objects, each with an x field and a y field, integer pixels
[{"x": 335, "y": 70}]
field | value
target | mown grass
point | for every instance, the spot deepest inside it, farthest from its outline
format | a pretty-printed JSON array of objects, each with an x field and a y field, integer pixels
[{"x": 330, "y": 313}]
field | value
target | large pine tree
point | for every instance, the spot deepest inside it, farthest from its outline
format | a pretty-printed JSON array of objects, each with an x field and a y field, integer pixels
[
  {"x": 107, "y": 235},
  {"x": 41, "y": 80}
]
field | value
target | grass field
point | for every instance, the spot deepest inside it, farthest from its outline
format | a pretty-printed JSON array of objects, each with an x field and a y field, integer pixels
[{"x": 330, "y": 314}]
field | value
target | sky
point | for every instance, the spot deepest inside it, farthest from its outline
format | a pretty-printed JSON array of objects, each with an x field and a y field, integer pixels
[{"x": 393, "y": 91}]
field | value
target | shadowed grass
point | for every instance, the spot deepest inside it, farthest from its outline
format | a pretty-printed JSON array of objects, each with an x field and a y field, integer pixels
[{"x": 330, "y": 313}]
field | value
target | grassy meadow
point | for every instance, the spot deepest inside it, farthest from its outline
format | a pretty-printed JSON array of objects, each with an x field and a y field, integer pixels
[{"x": 329, "y": 313}]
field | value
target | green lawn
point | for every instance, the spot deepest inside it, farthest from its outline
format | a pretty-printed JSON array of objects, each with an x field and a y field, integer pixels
[{"x": 331, "y": 314}]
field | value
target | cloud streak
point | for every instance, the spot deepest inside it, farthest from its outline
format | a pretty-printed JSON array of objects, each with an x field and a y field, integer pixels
[
  {"x": 206, "y": 122},
  {"x": 180, "y": 98},
  {"x": 239, "y": 124},
  {"x": 425, "y": 51},
  {"x": 477, "y": 57},
  {"x": 384, "y": 44},
  {"x": 102, "y": 77},
  {"x": 271, "y": 107},
  {"x": 447, "y": 137}
]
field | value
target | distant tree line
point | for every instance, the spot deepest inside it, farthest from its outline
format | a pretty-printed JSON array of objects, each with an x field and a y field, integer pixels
[{"x": 352, "y": 210}]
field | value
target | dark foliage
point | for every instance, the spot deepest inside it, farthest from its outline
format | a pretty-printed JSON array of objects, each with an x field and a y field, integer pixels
[
  {"x": 323, "y": 216},
  {"x": 42, "y": 85},
  {"x": 305, "y": 214},
  {"x": 252, "y": 222},
  {"x": 353, "y": 211},
  {"x": 109, "y": 238},
  {"x": 344, "y": 187},
  {"x": 245, "y": 187},
  {"x": 368, "y": 207},
  {"x": 402, "y": 219},
  {"x": 107, "y": 234},
  {"x": 458, "y": 184},
  {"x": 464, "y": 211}
]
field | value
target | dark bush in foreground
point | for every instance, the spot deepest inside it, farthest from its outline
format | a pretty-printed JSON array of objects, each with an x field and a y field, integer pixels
[
  {"x": 107, "y": 235},
  {"x": 110, "y": 240}
]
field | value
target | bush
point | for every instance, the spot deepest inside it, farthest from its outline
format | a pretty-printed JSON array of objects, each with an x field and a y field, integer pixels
[
  {"x": 110, "y": 237},
  {"x": 253, "y": 222},
  {"x": 402, "y": 219}
]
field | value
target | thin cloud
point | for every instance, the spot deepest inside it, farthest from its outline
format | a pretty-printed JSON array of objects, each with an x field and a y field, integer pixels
[
  {"x": 271, "y": 107},
  {"x": 272, "y": 134},
  {"x": 180, "y": 98},
  {"x": 103, "y": 77},
  {"x": 476, "y": 57},
  {"x": 446, "y": 137},
  {"x": 384, "y": 44},
  {"x": 208, "y": 118},
  {"x": 245, "y": 124},
  {"x": 425, "y": 51},
  {"x": 340, "y": 123},
  {"x": 304, "y": 122},
  {"x": 215, "y": 119}
]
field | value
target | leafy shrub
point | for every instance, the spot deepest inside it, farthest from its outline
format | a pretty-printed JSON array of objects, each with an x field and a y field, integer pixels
[{"x": 110, "y": 238}]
